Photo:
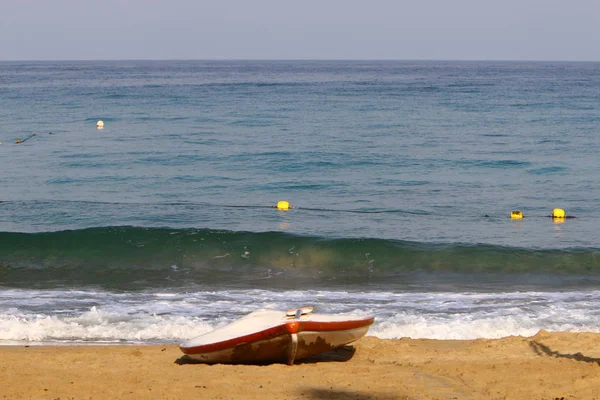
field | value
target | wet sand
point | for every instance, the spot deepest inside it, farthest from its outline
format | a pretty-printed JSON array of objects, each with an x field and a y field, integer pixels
[{"x": 546, "y": 366}]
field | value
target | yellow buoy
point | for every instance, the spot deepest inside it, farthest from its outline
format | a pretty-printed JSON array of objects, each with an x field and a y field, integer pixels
[
  {"x": 18, "y": 141},
  {"x": 283, "y": 205},
  {"x": 100, "y": 124},
  {"x": 516, "y": 214},
  {"x": 558, "y": 213}
]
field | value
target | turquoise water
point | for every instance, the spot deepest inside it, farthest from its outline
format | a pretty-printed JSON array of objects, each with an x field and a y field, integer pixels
[{"x": 401, "y": 176}]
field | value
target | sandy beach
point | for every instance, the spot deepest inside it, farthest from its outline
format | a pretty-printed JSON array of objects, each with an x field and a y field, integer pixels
[{"x": 545, "y": 366}]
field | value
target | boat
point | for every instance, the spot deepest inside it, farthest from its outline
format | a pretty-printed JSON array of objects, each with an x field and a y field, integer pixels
[{"x": 276, "y": 336}]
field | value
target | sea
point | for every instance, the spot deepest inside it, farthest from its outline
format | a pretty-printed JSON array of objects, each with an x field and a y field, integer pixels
[{"x": 401, "y": 177}]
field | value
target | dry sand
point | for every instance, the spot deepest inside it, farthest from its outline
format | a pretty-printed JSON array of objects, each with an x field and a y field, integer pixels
[{"x": 545, "y": 366}]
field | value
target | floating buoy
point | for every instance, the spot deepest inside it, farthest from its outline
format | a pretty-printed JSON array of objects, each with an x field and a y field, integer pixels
[
  {"x": 283, "y": 205},
  {"x": 516, "y": 214},
  {"x": 558, "y": 213},
  {"x": 100, "y": 124},
  {"x": 23, "y": 140},
  {"x": 0, "y": 142}
]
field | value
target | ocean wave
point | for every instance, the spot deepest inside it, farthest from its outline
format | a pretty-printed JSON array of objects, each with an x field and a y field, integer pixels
[{"x": 156, "y": 256}]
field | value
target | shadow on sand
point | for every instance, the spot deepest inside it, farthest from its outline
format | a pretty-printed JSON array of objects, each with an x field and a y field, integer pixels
[
  {"x": 542, "y": 349},
  {"x": 340, "y": 354},
  {"x": 324, "y": 394}
]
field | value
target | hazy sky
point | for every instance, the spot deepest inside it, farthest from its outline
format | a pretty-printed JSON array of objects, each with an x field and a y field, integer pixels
[{"x": 301, "y": 29}]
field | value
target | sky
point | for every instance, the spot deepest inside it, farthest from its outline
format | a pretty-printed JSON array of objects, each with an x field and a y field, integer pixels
[{"x": 554, "y": 30}]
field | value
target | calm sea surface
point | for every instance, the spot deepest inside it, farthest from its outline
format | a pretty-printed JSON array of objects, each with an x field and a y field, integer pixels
[{"x": 401, "y": 176}]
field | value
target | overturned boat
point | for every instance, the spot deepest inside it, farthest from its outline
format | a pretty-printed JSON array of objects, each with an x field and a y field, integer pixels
[{"x": 273, "y": 336}]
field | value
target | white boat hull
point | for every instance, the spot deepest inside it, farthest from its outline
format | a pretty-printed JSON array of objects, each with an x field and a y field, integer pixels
[{"x": 271, "y": 336}]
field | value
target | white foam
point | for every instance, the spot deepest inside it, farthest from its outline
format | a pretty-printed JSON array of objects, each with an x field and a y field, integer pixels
[
  {"x": 97, "y": 325},
  {"x": 461, "y": 330},
  {"x": 37, "y": 316}
]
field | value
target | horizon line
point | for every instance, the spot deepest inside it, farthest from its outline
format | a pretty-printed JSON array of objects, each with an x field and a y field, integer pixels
[{"x": 303, "y": 59}]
